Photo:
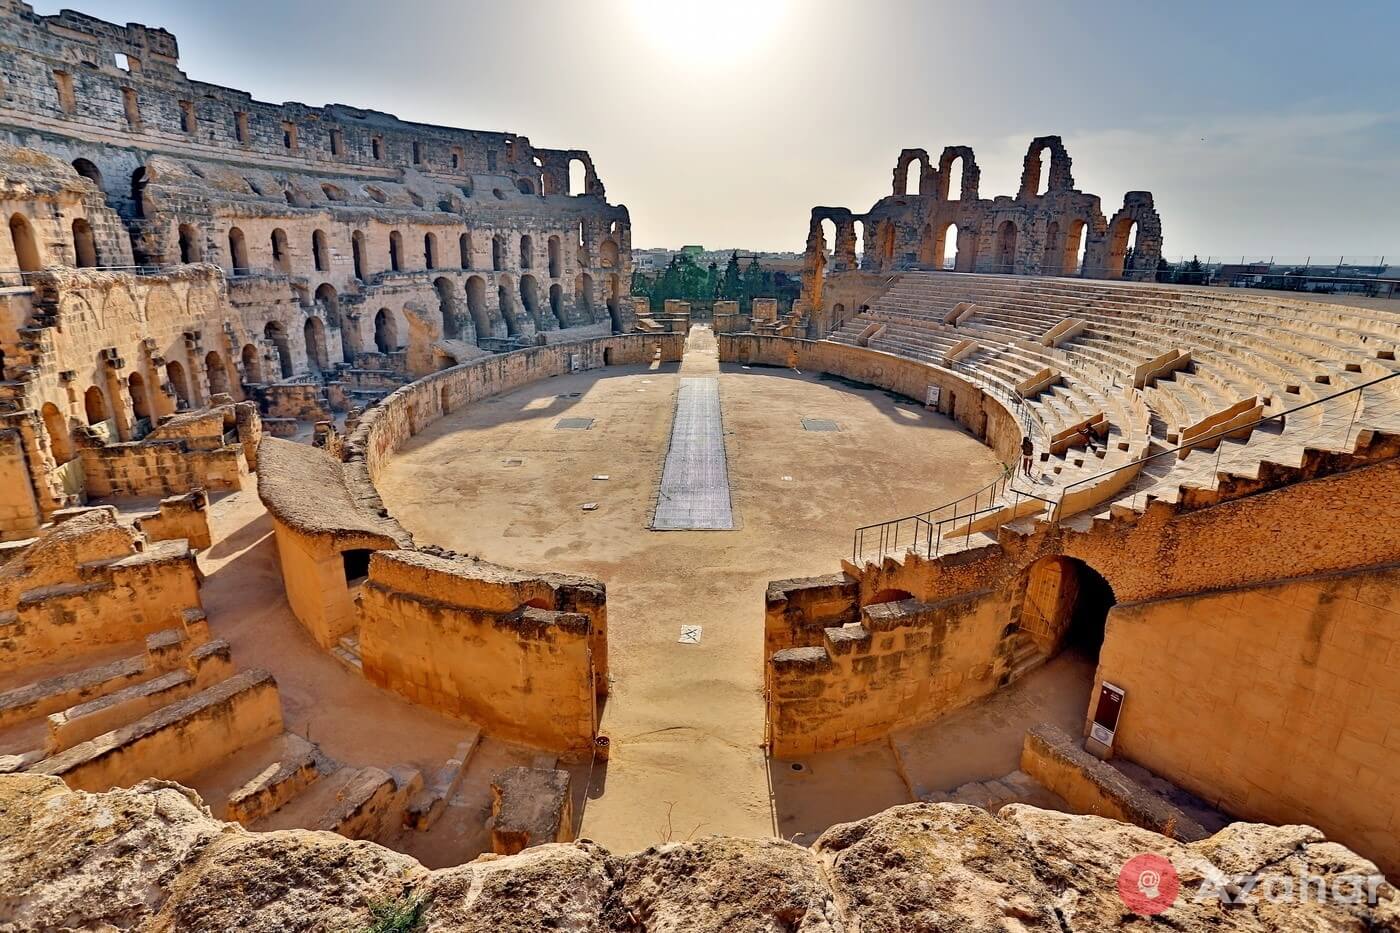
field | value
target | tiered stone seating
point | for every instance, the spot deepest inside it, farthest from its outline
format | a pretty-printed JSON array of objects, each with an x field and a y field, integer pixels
[{"x": 1248, "y": 352}]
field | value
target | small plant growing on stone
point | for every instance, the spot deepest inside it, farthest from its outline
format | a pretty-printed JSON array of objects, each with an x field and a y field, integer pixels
[{"x": 403, "y": 914}]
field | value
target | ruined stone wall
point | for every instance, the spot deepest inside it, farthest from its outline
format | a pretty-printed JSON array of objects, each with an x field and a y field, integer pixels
[
  {"x": 1278, "y": 702},
  {"x": 929, "y": 222},
  {"x": 161, "y": 468},
  {"x": 510, "y": 652}
]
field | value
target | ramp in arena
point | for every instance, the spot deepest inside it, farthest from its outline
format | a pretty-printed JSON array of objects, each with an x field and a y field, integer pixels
[{"x": 694, "y": 493}]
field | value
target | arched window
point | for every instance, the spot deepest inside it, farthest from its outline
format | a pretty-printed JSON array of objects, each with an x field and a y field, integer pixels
[
  {"x": 60, "y": 440},
  {"x": 396, "y": 251},
  {"x": 955, "y": 181},
  {"x": 216, "y": 372},
  {"x": 190, "y": 246},
  {"x": 138, "y": 192},
  {"x": 320, "y": 252},
  {"x": 503, "y": 300},
  {"x": 583, "y": 294},
  {"x": 447, "y": 308},
  {"x": 84, "y": 246},
  {"x": 527, "y": 249},
  {"x": 556, "y": 258},
  {"x": 1075, "y": 242},
  {"x": 140, "y": 401},
  {"x": 464, "y": 250},
  {"x": 524, "y": 186},
  {"x": 578, "y": 177},
  {"x": 276, "y": 334},
  {"x": 175, "y": 375},
  {"x": 26, "y": 249},
  {"x": 313, "y": 333},
  {"x": 357, "y": 247},
  {"x": 498, "y": 252},
  {"x": 386, "y": 338},
  {"x": 913, "y": 169},
  {"x": 430, "y": 251},
  {"x": 238, "y": 251},
  {"x": 476, "y": 307},
  {"x": 281, "y": 254},
  {"x": 89, "y": 171}
]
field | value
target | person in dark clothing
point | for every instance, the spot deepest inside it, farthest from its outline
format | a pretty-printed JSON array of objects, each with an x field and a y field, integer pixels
[{"x": 1027, "y": 455}]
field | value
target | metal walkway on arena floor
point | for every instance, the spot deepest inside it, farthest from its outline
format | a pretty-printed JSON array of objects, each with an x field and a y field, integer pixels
[{"x": 694, "y": 493}]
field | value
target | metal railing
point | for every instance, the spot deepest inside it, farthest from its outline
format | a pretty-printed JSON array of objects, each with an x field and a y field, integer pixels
[{"x": 927, "y": 533}]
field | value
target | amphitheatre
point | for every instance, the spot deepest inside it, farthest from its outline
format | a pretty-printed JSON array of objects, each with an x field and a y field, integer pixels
[{"x": 366, "y": 546}]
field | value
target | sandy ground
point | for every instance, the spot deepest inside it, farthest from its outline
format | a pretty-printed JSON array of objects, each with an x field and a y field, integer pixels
[{"x": 686, "y": 721}]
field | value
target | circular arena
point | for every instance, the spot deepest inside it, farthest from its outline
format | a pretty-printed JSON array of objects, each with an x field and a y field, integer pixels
[{"x": 372, "y": 557}]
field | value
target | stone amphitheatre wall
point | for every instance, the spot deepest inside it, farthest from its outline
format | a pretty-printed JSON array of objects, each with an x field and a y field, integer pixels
[
  {"x": 1241, "y": 626},
  {"x": 521, "y": 653}
]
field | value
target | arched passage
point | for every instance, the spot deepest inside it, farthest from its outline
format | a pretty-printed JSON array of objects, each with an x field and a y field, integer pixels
[
  {"x": 314, "y": 334},
  {"x": 216, "y": 372},
  {"x": 578, "y": 177},
  {"x": 476, "y": 307},
  {"x": 191, "y": 246},
  {"x": 464, "y": 250},
  {"x": 138, "y": 192},
  {"x": 84, "y": 245},
  {"x": 945, "y": 248},
  {"x": 430, "y": 251},
  {"x": 556, "y": 258},
  {"x": 447, "y": 309},
  {"x": 615, "y": 302},
  {"x": 583, "y": 291},
  {"x": 358, "y": 251},
  {"x": 140, "y": 400},
  {"x": 556, "y": 303},
  {"x": 527, "y": 252},
  {"x": 498, "y": 253},
  {"x": 396, "y": 251},
  {"x": 329, "y": 301},
  {"x": 320, "y": 251},
  {"x": 1122, "y": 243},
  {"x": 530, "y": 298},
  {"x": 56, "y": 426},
  {"x": 276, "y": 334},
  {"x": 252, "y": 364},
  {"x": 85, "y": 168},
  {"x": 238, "y": 251},
  {"x": 1006, "y": 247},
  {"x": 25, "y": 246},
  {"x": 1065, "y": 606},
  {"x": 175, "y": 375},
  {"x": 386, "y": 336},
  {"x": 507, "y": 306},
  {"x": 281, "y": 255}
]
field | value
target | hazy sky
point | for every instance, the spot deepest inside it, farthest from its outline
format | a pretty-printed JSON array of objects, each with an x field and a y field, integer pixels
[{"x": 1260, "y": 127}]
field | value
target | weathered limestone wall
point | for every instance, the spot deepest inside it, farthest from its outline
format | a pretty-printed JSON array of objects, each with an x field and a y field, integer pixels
[
  {"x": 985, "y": 416},
  {"x": 161, "y": 468},
  {"x": 1278, "y": 702},
  {"x": 507, "y": 651}
]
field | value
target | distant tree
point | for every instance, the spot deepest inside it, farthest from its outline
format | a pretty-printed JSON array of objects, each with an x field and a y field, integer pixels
[{"x": 732, "y": 287}]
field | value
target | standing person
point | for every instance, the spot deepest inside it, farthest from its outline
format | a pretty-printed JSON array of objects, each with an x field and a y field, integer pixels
[{"x": 1027, "y": 455}]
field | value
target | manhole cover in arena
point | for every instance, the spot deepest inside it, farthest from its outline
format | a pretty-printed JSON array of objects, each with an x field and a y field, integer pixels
[
  {"x": 573, "y": 424},
  {"x": 819, "y": 424}
]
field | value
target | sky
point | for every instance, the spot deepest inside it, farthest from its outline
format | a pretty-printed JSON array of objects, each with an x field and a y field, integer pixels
[{"x": 1261, "y": 128}]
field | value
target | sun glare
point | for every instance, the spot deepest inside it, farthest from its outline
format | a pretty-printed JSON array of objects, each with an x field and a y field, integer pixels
[{"x": 710, "y": 30}]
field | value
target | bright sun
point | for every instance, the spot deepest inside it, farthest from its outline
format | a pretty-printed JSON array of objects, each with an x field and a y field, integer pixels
[{"x": 709, "y": 30}]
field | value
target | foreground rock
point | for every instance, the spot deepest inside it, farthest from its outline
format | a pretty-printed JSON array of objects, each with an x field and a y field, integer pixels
[{"x": 152, "y": 859}]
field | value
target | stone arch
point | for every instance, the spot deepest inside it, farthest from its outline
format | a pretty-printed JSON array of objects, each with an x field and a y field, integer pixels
[
  {"x": 252, "y": 364},
  {"x": 1073, "y": 245},
  {"x": 320, "y": 251},
  {"x": 578, "y": 177},
  {"x": 139, "y": 180},
  {"x": 84, "y": 244},
  {"x": 281, "y": 251},
  {"x": 615, "y": 303},
  {"x": 140, "y": 398},
  {"x": 314, "y": 335},
  {"x": 447, "y": 308},
  {"x": 969, "y": 174},
  {"x": 608, "y": 253},
  {"x": 1005, "y": 257},
  {"x": 329, "y": 302},
  {"x": 395, "y": 251},
  {"x": 86, "y": 169},
  {"x": 476, "y": 307},
  {"x": 1138, "y": 215},
  {"x": 464, "y": 250},
  {"x": 95, "y": 406},
  {"x": 903, "y": 181},
  {"x": 1035, "y": 179},
  {"x": 556, "y": 303},
  {"x": 60, "y": 437},
  {"x": 26, "y": 247},
  {"x": 175, "y": 375},
  {"x": 216, "y": 373},
  {"x": 191, "y": 244},
  {"x": 276, "y": 334},
  {"x": 556, "y": 257},
  {"x": 527, "y": 251},
  {"x": 505, "y": 302},
  {"x": 530, "y": 298},
  {"x": 498, "y": 253},
  {"x": 237, "y": 251},
  {"x": 430, "y": 251},
  {"x": 359, "y": 253},
  {"x": 583, "y": 294},
  {"x": 1063, "y": 604},
  {"x": 386, "y": 331}
]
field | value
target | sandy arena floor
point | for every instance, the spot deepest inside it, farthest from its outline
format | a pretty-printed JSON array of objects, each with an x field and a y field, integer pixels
[{"x": 686, "y": 721}]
